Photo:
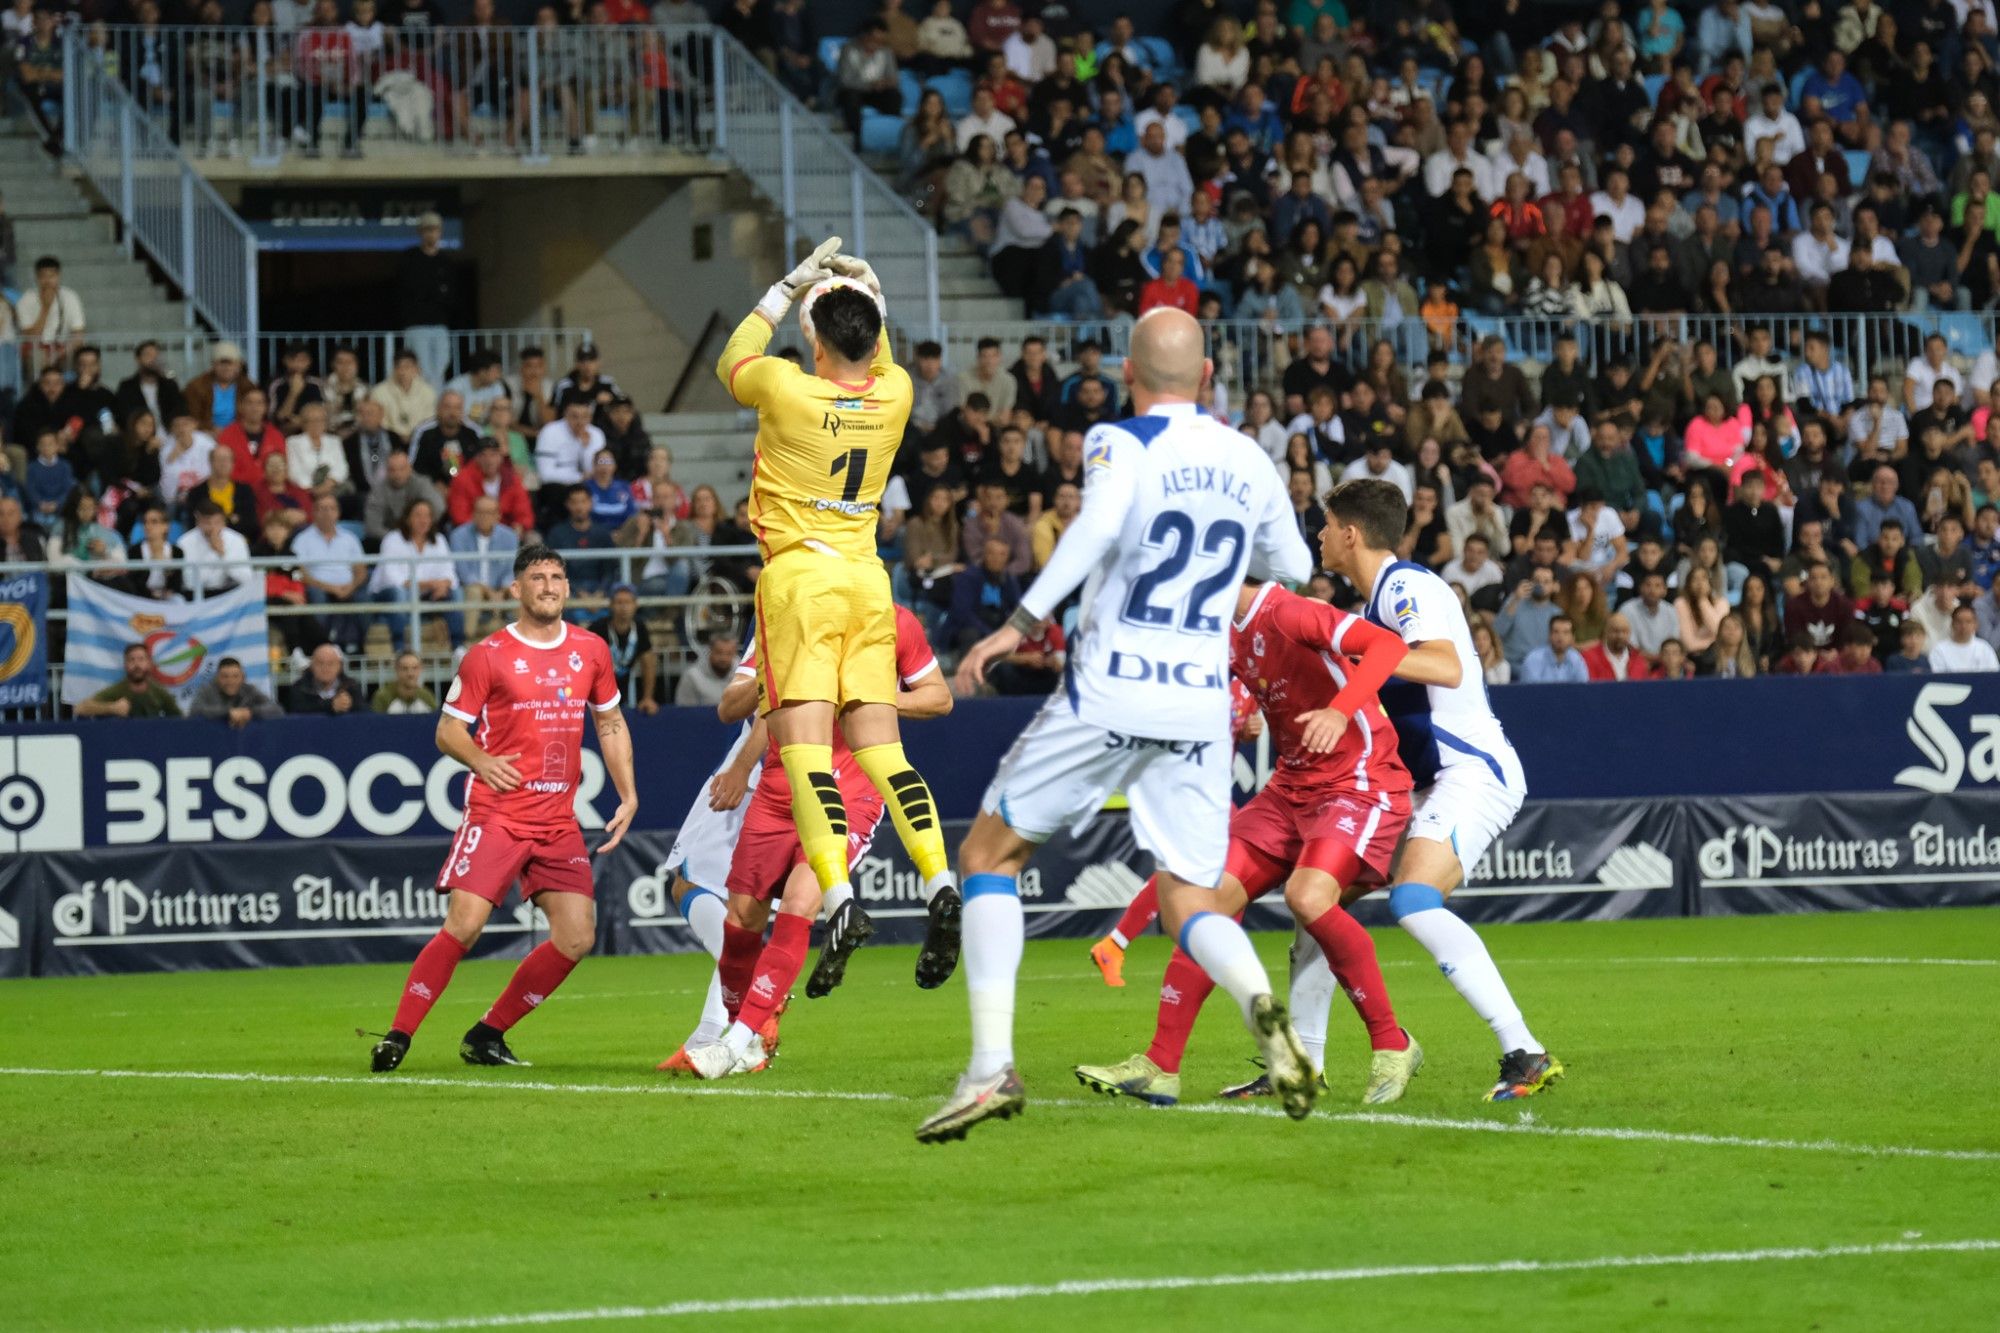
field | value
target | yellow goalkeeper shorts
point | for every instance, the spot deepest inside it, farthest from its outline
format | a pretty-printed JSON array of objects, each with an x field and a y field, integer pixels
[{"x": 826, "y": 629}]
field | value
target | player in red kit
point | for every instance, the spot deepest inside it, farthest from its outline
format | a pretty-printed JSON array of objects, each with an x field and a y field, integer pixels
[
  {"x": 514, "y": 716},
  {"x": 1330, "y": 817},
  {"x": 771, "y": 862}
]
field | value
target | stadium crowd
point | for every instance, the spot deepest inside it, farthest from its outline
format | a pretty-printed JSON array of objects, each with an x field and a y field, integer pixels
[{"x": 1360, "y": 186}]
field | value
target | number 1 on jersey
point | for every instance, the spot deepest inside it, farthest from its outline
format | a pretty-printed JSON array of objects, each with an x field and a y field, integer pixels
[{"x": 855, "y": 461}]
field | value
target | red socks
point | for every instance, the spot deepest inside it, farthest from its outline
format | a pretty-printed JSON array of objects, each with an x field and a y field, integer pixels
[
  {"x": 538, "y": 975},
  {"x": 777, "y": 968},
  {"x": 1140, "y": 913},
  {"x": 739, "y": 959},
  {"x": 429, "y": 975},
  {"x": 1182, "y": 991},
  {"x": 1350, "y": 952}
]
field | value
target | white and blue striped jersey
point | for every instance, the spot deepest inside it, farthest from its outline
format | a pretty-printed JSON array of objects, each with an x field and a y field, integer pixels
[
  {"x": 1176, "y": 508},
  {"x": 1438, "y": 726}
]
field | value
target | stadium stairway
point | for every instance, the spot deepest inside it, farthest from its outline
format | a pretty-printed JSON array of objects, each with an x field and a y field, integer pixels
[
  {"x": 710, "y": 449},
  {"x": 53, "y": 216}
]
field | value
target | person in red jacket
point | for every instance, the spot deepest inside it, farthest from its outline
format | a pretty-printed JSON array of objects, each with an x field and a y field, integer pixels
[
  {"x": 491, "y": 473},
  {"x": 251, "y": 435},
  {"x": 1172, "y": 287},
  {"x": 1614, "y": 658}
]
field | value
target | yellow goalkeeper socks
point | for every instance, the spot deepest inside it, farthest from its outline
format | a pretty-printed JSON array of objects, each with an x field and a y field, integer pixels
[
  {"x": 910, "y": 804},
  {"x": 818, "y": 811}
]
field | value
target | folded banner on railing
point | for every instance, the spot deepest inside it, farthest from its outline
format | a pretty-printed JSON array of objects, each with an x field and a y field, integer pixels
[
  {"x": 187, "y": 639},
  {"x": 24, "y": 654}
]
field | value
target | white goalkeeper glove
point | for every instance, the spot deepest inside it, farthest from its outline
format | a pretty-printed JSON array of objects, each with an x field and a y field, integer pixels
[
  {"x": 812, "y": 269},
  {"x": 851, "y": 266}
]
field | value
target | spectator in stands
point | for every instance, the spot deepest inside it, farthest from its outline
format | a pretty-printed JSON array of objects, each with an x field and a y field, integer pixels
[
  {"x": 155, "y": 565},
  {"x": 704, "y": 679},
  {"x": 989, "y": 379},
  {"x": 406, "y": 693},
  {"x": 275, "y": 495},
  {"x": 492, "y": 475},
  {"x": 391, "y": 498},
  {"x": 139, "y": 694},
  {"x": 633, "y": 661},
  {"x": 251, "y": 436},
  {"x": 344, "y": 391},
  {"x": 579, "y": 531},
  {"x": 324, "y": 687},
  {"x": 49, "y": 316},
  {"x": 865, "y": 76},
  {"x": 991, "y": 521},
  {"x": 428, "y": 291},
  {"x": 983, "y": 594},
  {"x": 531, "y": 390},
  {"x": 406, "y": 398},
  {"x": 330, "y": 567},
  {"x": 479, "y": 385},
  {"x": 1615, "y": 657},
  {"x": 1701, "y": 609},
  {"x": 1172, "y": 289},
  {"x": 486, "y": 579},
  {"x": 212, "y": 395},
  {"x": 292, "y": 388},
  {"x": 149, "y": 388},
  {"x": 1912, "y": 657},
  {"x": 936, "y": 393},
  {"x": 417, "y": 567},
  {"x": 1523, "y": 622},
  {"x": 214, "y": 555},
  {"x": 1881, "y": 503},
  {"x": 370, "y": 444},
  {"x": 440, "y": 447},
  {"x": 611, "y": 499},
  {"x": 625, "y": 437},
  {"x": 1557, "y": 661},
  {"x": 38, "y": 66},
  {"x": 564, "y": 451},
  {"x": 228, "y": 697},
  {"x": 316, "y": 459}
]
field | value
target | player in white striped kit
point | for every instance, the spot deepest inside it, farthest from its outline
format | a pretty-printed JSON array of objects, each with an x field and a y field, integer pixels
[{"x": 1176, "y": 507}]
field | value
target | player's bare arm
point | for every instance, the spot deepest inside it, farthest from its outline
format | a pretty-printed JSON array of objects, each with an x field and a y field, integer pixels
[
  {"x": 727, "y": 789},
  {"x": 497, "y": 771},
  {"x": 930, "y": 697},
  {"x": 614, "y": 740},
  {"x": 739, "y": 701},
  {"x": 1432, "y": 662}
]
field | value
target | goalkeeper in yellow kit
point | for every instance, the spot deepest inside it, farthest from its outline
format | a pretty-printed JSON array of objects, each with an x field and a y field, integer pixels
[{"x": 826, "y": 622}]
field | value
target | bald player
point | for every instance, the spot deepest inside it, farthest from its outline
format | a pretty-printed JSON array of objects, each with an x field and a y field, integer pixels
[{"x": 1176, "y": 507}]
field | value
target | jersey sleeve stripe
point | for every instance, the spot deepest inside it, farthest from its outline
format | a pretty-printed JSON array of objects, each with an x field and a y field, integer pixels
[
  {"x": 757, "y": 356},
  {"x": 607, "y": 707},
  {"x": 930, "y": 665},
  {"x": 464, "y": 717}
]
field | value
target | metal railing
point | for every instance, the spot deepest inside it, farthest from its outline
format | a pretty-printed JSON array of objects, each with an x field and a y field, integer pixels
[
  {"x": 166, "y": 207},
  {"x": 1253, "y": 354},
  {"x": 817, "y": 183},
  {"x": 186, "y": 352},
  {"x": 267, "y": 95}
]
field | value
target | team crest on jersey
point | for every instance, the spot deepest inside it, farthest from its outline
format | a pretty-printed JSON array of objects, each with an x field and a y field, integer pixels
[
  {"x": 1100, "y": 453},
  {"x": 850, "y": 405},
  {"x": 1401, "y": 604},
  {"x": 1257, "y": 644},
  {"x": 576, "y": 661},
  {"x": 520, "y": 666}
]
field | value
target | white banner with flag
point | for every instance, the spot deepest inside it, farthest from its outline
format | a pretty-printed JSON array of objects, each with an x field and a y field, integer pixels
[{"x": 187, "y": 638}]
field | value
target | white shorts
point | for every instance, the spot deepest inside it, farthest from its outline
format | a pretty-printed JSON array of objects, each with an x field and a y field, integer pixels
[
  {"x": 1062, "y": 769},
  {"x": 707, "y": 839},
  {"x": 1467, "y": 808}
]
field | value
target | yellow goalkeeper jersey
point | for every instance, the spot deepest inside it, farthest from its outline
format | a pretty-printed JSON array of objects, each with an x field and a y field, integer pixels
[{"x": 824, "y": 448}]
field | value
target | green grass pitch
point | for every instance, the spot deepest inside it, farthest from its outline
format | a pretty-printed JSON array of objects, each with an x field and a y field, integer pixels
[{"x": 1780, "y": 1099}]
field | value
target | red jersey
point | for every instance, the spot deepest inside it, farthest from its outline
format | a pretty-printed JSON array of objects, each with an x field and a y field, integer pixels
[
  {"x": 1295, "y": 656},
  {"x": 527, "y": 699},
  {"x": 914, "y": 661}
]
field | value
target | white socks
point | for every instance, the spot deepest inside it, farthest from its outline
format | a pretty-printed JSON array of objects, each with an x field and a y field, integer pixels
[
  {"x": 1462, "y": 957},
  {"x": 944, "y": 879},
  {"x": 1313, "y": 986},
  {"x": 831, "y": 900},
  {"x": 994, "y": 930},
  {"x": 1223, "y": 951},
  {"x": 705, "y": 915},
  {"x": 1118, "y": 938}
]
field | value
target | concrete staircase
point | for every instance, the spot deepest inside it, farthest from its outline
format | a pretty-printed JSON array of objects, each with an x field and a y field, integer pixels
[
  {"x": 710, "y": 449},
  {"x": 53, "y": 216}
]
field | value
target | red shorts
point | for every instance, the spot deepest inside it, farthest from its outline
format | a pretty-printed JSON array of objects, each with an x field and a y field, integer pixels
[
  {"x": 768, "y": 847},
  {"x": 485, "y": 860},
  {"x": 1351, "y": 835}
]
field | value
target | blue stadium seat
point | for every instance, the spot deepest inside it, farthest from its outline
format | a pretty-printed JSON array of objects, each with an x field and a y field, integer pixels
[
  {"x": 1654, "y": 82},
  {"x": 1964, "y": 332},
  {"x": 829, "y": 51},
  {"x": 1189, "y": 117},
  {"x": 955, "y": 86},
  {"x": 912, "y": 89},
  {"x": 1857, "y": 167},
  {"x": 880, "y": 133},
  {"x": 1798, "y": 82},
  {"x": 351, "y": 526},
  {"x": 1431, "y": 81}
]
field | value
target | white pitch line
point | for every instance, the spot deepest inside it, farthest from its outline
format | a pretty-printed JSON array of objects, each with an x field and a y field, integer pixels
[
  {"x": 1120, "y": 1285},
  {"x": 686, "y": 1088}
]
